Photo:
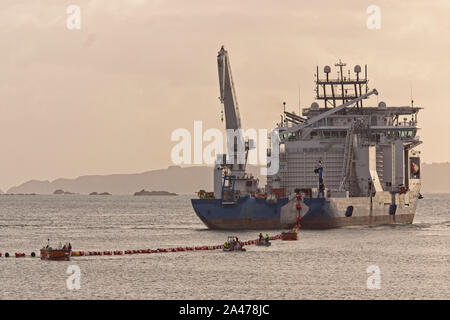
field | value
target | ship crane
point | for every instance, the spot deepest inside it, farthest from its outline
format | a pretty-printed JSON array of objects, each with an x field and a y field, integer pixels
[
  {"x": 306, "y": 126},
  {"x": 232, "y": 117}
]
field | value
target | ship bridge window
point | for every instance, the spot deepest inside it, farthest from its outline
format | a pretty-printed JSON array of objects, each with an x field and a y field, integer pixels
[
  {"x": 291, "y": 136},
  {"x": 377, "y": 138},
  {"x": 373, "y": 120},
  {"x": 406, "y": 133}
]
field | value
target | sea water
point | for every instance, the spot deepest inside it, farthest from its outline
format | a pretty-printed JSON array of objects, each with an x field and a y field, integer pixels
[{"x": 408, "y": 261}]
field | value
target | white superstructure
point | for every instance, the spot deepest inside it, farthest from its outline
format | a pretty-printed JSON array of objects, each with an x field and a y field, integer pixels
[{"x": 363, "y": 149}]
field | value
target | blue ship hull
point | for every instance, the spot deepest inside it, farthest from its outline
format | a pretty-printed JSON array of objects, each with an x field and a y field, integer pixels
[
  {"x": 248, "y": 213},
  {"x": 318, "y": 213}
]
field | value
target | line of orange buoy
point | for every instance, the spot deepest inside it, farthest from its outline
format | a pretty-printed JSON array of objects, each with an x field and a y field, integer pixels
[
  {"x": 140, "y": 251},
  {"x": 18, "y": 255},
  {"x": 160, "y": 250}
]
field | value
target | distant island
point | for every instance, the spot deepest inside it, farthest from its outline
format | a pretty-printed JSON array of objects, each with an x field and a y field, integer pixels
[
  {"x": 99, "y": 194},
  {"x": 18, "y": 194},
  {"x": 154, "y": 193},
  {"x": 187, "y": 181},
  {"x": 173, "y": 179},
  {"x": 61, "y": 191}
]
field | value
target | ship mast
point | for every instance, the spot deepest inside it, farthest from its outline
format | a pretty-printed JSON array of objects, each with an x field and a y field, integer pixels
[{"x": 344, "y": 88}]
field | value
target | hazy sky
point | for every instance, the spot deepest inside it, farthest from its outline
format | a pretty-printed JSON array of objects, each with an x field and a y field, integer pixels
[{"x": 105, "y": 98}]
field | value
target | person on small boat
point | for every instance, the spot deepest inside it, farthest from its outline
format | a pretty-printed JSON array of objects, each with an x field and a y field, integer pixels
[
  {"x": 260, "y": 237},
  {"x": 266, "y": 238},
  {"x": 69, "y": 246}
]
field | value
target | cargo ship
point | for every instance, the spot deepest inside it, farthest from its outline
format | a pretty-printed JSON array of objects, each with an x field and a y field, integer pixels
[{"x": 341, "y": 164}]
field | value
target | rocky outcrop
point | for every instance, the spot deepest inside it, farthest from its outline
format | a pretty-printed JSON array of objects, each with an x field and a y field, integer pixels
[{"x": 154, "y": 193}]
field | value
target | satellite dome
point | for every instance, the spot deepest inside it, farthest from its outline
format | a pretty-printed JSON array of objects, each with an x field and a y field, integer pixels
[
  {"x": 314, "y": 106},
  {"x": 327, "y": 69},
  {"x": 357, "y": 68},
  {"x": 382, "y": 105}
]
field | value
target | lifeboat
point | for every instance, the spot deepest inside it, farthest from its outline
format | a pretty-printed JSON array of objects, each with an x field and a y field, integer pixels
[
  {"x": 55, "y": 254},
  {"x": 289, "y": 235},
  {"x": 414, "y": 168},
  {"x": 59, "y": 254}
]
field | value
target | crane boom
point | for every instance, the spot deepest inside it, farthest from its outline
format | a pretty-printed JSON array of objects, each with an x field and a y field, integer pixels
[
  {"x": 227, "y": 91},
  {"x": 237, "y": 147},
  {"x": 325, "y": 114}
]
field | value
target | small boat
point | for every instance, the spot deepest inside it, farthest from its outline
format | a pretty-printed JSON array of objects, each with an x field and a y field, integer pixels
[
  {"x": 289, "y": 235},
  {"x": 59, "y": 254},
  {"x": 233, "y": 244},
  {"x": 263, "y": 243}
]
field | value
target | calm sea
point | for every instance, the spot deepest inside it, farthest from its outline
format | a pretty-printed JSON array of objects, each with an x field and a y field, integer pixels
[{"x": 413, "y": 260}]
